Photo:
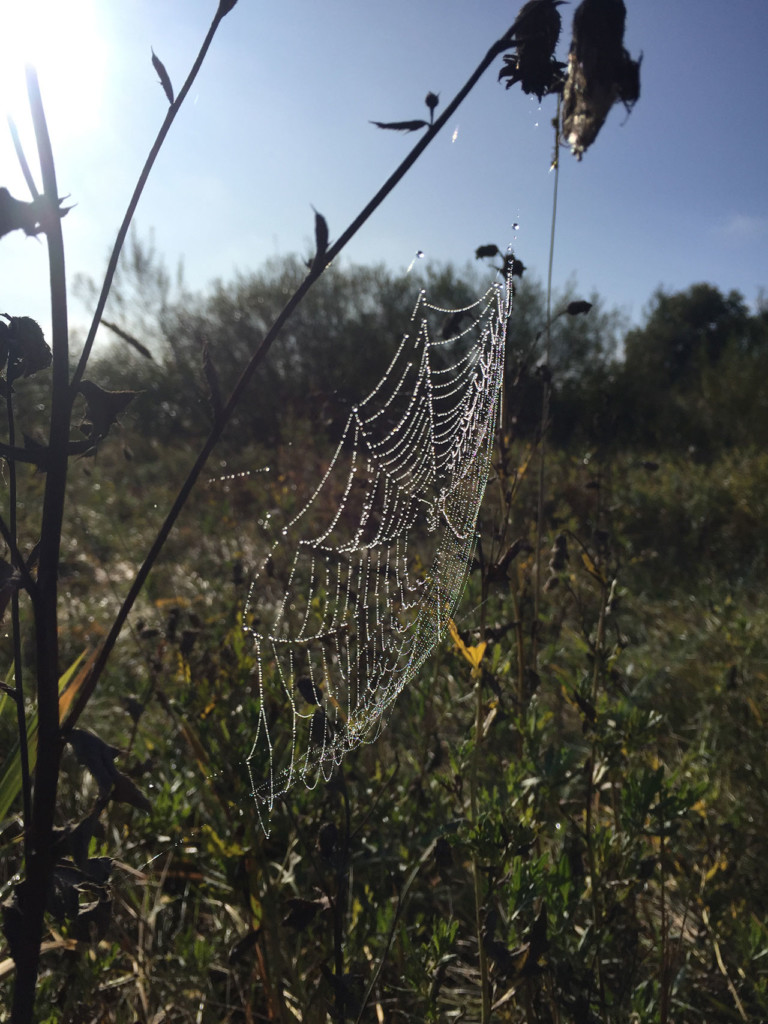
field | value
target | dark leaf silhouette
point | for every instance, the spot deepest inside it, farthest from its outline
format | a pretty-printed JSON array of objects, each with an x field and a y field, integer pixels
[
  {"x": 483, "y": 251},
  {"x": 102, "y": 408},
  {"x": 321, "y": 240},
  {"x": 513, "y": 266},
  {"x": 302, "y": 913},
  {"x": 125, "y": 791},
  {"x": 163, "y": 75},
  {"x": 309, "y": 691},
  {"x": 23, "y": 345},
  {"x": 600, "y": 72},
  {"x": 497, "y": 572},
  {"x": 432, "y": 99},
  {"x": 243, "y": 945},
  {"x": 133, "y": 706},
  {"x": 320, "y": 729},
  {"x": 26, "y": 217},
  {"x": 97, "y": 756},
  {"x": 443, "y": 854},
  {"x": 578, "y": 306},
  {"x": 401, "y": 126},
  {"x": 328, "y": 840},
  {"x": 534, "y": 35},
  {"x": 225, "y": 6}
]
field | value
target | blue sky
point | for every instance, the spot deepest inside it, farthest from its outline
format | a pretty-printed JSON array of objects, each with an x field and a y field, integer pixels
[{"x": 278, "y": 122}]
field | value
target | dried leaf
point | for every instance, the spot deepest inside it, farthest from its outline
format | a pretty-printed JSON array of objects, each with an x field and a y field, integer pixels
[
  {"x": 432, "y": 99},
  {"x": 401, "y": 126},
  {"x": 535, "y": 34},
  {"x": 600, "y": 72},
  {"x": 165, "y": 79},
  {"x": 474, "y": 655}
]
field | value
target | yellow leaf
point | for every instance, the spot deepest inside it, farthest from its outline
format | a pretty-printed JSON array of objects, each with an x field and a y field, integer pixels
[
  {"x": 474, "y": 655},
  {"x": 591, "y": 568},
  {"x": 455, "y": 636}
]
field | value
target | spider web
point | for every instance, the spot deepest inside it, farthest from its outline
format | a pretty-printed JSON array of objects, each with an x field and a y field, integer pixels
[{"x": 357, "y": 589}]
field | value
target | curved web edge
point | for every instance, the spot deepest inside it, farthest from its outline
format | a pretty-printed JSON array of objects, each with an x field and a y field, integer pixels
[{"x": 356, "y": 592}]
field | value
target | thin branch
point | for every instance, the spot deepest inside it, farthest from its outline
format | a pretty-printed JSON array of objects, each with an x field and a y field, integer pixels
[
  {"x": 137, "y": 192},
  {"x": 21, "y": 157}
]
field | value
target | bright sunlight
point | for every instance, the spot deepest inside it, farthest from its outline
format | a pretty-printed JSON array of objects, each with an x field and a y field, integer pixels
[{"x": 64, "y": 42}]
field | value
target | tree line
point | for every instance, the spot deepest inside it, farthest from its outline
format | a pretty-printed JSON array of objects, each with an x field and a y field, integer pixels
[{"x": 689, "y": 378}]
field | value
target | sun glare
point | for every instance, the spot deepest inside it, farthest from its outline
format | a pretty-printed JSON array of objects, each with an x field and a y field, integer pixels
[{"x": 65, "y": 44}]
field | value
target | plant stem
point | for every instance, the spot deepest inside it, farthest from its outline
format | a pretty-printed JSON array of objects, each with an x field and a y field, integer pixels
[
  {"x": 39, "y": 863},
  {"x": 545, "y": 398},
  {"x": 476, "y": 877}
]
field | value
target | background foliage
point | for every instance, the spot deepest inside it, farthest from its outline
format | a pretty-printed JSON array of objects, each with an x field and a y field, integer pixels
[{"x": 621, "y": 773}]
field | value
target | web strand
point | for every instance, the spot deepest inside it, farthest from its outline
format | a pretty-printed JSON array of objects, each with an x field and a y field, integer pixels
[{"x": 356, "y": 591}]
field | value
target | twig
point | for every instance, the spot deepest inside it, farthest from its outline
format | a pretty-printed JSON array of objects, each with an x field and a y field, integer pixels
[{"x": 137, "y": 192}]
